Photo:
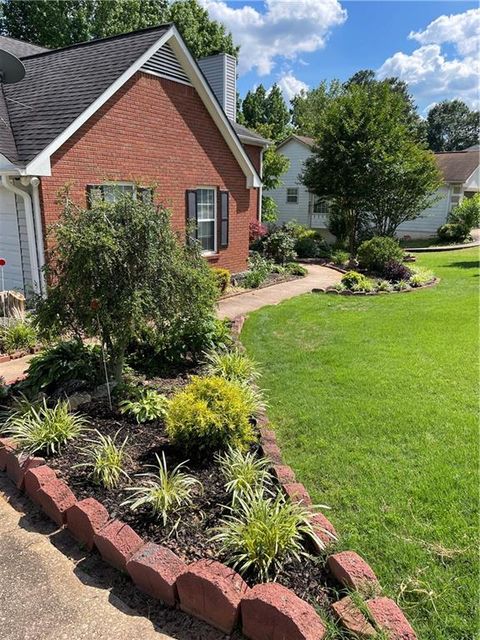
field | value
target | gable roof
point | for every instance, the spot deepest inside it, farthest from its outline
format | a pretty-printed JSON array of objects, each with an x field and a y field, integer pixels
[
  {"x": 248, "y": 136},
  {"x": 19, "y": 48},
  {"x": 457, "y": 166},
  {"x": 64, "y": 87},
  {"x": 309, "y": 142}
]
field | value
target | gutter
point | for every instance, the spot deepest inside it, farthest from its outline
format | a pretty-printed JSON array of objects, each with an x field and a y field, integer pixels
[{"x": 32, "y": 245}]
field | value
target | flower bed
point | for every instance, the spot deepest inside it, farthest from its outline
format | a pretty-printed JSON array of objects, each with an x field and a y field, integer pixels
[{"x": 182, "y": 565}]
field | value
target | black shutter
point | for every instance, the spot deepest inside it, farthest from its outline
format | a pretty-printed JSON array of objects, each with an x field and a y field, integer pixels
[
  {"x": 224, "y": 197},
  {"x": 191, "y": 215}
]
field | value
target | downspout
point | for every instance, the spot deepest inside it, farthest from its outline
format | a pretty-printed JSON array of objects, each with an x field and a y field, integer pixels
[
  {"x": 32, "y": 249},
  {"x": 37, "y": 215},
  {"x": 260, "y": 189}
]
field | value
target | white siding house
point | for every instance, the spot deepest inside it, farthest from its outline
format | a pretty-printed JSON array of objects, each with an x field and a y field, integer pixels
[{"x": 460, "y": 170}]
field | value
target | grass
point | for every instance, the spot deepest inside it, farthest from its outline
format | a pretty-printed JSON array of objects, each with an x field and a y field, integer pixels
[{"x": 375, "y": 404}]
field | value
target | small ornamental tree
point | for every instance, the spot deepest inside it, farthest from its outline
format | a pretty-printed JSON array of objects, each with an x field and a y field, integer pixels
[{"x": 117, "y": 268}]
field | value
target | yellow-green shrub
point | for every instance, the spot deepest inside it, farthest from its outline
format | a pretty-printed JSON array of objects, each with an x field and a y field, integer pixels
[
  {"x": 210, "y": 413},
  {"x": 222, "y": 278}
]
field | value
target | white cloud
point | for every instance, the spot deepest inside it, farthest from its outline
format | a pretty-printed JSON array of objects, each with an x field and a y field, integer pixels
[
  {"x": 430, "y": 73},
  {"x": 291, "y": 86},
  {"x": 285, "y": 30}
]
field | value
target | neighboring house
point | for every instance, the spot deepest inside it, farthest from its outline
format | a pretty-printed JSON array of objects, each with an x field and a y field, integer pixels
[
  {"x": 460, "y": 170},
  {"x": 129, "y": 112}
]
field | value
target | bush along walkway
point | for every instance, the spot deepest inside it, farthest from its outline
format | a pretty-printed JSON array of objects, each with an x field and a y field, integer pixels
[{"x": 317, "y": 277}]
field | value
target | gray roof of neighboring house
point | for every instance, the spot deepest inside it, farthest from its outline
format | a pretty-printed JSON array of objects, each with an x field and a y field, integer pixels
[
  {"x": 60, "y": 84},
  {"x": 19, "y": 48},
  {"x": 457, "y": 166},
  {"x": 310, "y": 142}
]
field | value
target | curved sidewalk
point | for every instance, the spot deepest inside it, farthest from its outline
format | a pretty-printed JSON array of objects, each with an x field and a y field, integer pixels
[{"x": 318, "y": 277}]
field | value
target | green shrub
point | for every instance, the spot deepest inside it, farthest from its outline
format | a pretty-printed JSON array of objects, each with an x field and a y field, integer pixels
[
  {"x": 165, "y": 492},
  {"x": 452, "y": 232},
  {"x": 340, "y": 258},
  {"x": 364, "y": 286},
  {"x": 295, "y": 269},
  {"x": 4, "y": 390},
  {"x": 352, "y": 280},
  {"x": 263, "y": 533},
  {"x": 17, "y": 336},
  {"x": 311, "y": 245},
  {"x": 259, "y": 270},
  {"x": 62, "y": 363},
  {"x": 222, "y": 278},
  {"x": 420, "y": 277},
  {"x": 374, "y": 254},
  {"x": 232, "y": 365},
  {"x": 278, "y": 268},
  {"x": 384, "y": 285},
  {"x": 279, "y": 246},
  {"x": 106, "y": 459},
  {"x": 149, "y": 405},
  {"x": 44, "y": 429},
  {"x": 244, "y": 473},
  {"x": 401, "y": 285},
  {"x": 467, "y": 214},
  {"x": 210, "y": 413}
]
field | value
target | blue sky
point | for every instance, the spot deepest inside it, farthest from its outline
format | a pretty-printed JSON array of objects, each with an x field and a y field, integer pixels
[{"x": 433, "y": 45}]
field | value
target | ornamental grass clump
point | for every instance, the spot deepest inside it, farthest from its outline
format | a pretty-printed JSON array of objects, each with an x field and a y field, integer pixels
[
  {"x": 164, "y": 492},
  {"x": 105, "y": 459},
  {"x": 150, "y": 405},
  {"x": 19, "y": 335},
  {"x": 262, "y": 533},
  {"x": 244, "y": 473},
  {"x": 232, "y": 365},
  {"x": 211, "y": 414},
  {"x": 38, "y": 428}
]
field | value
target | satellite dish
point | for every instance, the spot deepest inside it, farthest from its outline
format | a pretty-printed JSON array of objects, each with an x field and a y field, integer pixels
[{"x": 11, "y": 68}]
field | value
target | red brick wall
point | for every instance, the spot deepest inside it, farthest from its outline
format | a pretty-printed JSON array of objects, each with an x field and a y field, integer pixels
[{"x": 154, "y": 131}]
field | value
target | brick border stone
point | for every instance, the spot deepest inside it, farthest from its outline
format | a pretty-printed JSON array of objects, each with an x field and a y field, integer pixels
[
  {"x": 353, "y": 572},
  {"x": 117, "y": 542},
  {"x": 85, "y": 519}
]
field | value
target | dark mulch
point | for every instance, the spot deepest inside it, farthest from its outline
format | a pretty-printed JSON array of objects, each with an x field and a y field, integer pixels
[{"x": 191, "y": 538}]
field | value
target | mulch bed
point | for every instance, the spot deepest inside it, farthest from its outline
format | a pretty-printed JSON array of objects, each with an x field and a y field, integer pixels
[{"x": 192, "y": 537}]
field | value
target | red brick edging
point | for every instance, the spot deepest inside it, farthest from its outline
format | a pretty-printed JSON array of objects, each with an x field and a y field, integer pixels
[
  {"x": 347, "y": 567},
  {"x": 6, "y": 357}
]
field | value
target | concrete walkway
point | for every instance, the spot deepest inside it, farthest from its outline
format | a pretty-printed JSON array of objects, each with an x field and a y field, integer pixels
[
  {"x": 475, "y": 233},
  {"x": 14, "y": 369},
  {"x": 51, "y": 590},
  {"x": 244, "y": 303}
]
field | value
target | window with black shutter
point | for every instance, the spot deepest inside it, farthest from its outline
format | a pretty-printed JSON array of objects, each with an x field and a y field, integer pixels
[
  {"x": 207, "y": 217},
  {"x": 224, "y": 218},
  {"x": 191, "y": 215}
]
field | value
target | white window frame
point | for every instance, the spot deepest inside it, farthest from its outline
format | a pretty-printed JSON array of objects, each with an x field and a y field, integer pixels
[
  {"x": 296, "y": 195},
  {"x": 207, "y": 252},
  {"x": 134, "y": 186}
]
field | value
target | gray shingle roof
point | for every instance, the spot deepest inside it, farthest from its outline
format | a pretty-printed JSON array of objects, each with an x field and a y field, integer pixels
[
  {"x": 240, "y": 130},
  {"x": 19, "y": 48},
  {"x": 457, "y": 166},
  {"x": 60, "y": 84}
]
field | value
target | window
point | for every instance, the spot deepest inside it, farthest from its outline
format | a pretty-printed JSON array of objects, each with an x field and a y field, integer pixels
[
  {"x": 206, "y": 219},
  {"x": 292, "y": 195},
  {"x": 320, "y": 205},
  {"x": 112, "y": 191}
]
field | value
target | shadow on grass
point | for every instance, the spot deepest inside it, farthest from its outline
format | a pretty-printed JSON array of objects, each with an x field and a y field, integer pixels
[
  {"x": 465, "y": 264},
  {"x": 91, "y": 570}
]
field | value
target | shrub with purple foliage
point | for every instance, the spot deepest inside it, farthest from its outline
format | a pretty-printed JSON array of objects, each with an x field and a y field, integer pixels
[{"x": 395, "y": 271}]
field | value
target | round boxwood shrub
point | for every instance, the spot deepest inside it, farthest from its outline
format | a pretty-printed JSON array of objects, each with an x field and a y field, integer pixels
[
  {"x": 374, "y": 254},
  {"x": 210, "y": 414},
  {"x": 355, "y": 281}
]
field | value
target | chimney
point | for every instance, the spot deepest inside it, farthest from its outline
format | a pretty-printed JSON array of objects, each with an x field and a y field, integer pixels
[{"x": 221, "y": 73}]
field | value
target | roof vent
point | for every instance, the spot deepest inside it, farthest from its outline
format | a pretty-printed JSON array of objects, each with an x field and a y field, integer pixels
[{"x": 221, "y": 72}]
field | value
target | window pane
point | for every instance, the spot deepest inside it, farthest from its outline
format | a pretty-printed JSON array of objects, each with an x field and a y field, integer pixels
[
  {"x": 206, "y": 235},
  {"x": 292, "y": 194},
  {"x": 206, "y": 204},
  {"x": 111, "y": 192}
]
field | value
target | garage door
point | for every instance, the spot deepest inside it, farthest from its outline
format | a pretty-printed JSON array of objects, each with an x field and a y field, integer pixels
[{"x": 10, "y": 241}]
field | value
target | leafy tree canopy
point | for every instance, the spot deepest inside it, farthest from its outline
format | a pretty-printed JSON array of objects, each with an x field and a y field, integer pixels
[
  {"x": 452, "y": 126},
  {"x": 368, "y": 163},
  {"x": 260, "y": 108},
  {"x": 58, "y": 23}
]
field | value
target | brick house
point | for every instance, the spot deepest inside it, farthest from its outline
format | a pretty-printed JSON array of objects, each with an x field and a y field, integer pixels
[{"x": 126, "y": 113}]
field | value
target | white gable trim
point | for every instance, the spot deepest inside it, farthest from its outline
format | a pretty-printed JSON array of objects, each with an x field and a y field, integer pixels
[
  {"x": 293, "y": 138},
  {"x": 41, "y": 165}
]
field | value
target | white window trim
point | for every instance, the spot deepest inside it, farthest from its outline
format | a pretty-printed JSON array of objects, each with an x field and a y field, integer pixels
[{"x": 215, "y": 219}]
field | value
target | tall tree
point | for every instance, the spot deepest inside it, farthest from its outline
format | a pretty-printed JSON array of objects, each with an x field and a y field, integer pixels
[
  {"x": 58, "y": 23},
  {"x": 452, "y": 126},
  {"x": 308, "y": 107},
  {"x": 266, "y": 108},
  {"x": 368, "y": 164}
]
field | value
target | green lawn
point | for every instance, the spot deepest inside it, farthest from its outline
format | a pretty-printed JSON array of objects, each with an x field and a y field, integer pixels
[{"x": 375, "y": 404}]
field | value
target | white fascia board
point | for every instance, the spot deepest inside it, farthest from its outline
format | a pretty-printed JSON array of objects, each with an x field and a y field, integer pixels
[
  {"x": 209, "y": 100},
  {"x": 255, "y": 142},
  {"x": 40, "y": 165}
]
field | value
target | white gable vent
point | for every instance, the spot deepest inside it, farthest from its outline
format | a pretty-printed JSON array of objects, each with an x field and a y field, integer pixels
[
  {"x": 221, "y": 72},
  {"x": 164, "y": 63}
]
